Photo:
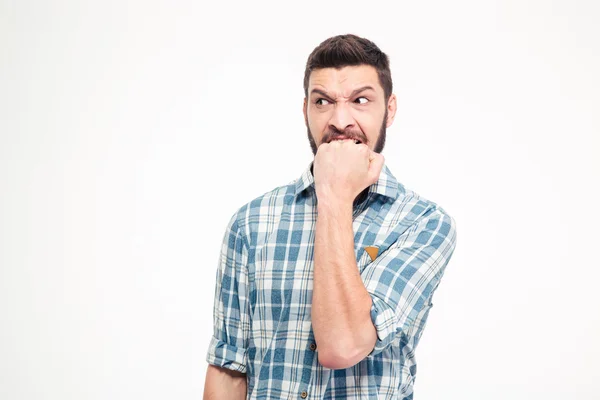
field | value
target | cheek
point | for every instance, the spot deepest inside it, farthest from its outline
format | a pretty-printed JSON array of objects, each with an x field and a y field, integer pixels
[
  {"x": 317, "y": 124},
  {"x": 368, "y": 124}
]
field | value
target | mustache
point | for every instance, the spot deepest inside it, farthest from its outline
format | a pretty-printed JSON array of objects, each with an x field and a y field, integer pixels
[{"x": 333, "y": 132}]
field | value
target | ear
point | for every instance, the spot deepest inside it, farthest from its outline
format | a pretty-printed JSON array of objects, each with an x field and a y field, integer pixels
[
  {"x": 391, "y": 109},
  {"x": 304, "y": 112}
]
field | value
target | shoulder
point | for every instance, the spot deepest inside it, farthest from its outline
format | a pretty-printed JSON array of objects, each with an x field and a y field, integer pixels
[
  {"x": 262, "y": 212},
  {"x": 418, "y": 212}
]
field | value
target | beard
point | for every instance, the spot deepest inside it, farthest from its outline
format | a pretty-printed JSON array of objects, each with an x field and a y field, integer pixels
[{"x": 379, "y": 145}]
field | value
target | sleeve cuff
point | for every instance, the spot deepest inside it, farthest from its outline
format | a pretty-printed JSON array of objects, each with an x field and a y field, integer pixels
[
  {"x": 225, "y": 355},
  {"x": 385, "y": 322}
]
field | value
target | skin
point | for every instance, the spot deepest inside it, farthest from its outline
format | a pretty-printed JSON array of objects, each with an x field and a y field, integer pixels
[
  {"x": 341, "y": 305},
  {"x": 342, "y": 170},
  {"x": 224, "y": 384}
]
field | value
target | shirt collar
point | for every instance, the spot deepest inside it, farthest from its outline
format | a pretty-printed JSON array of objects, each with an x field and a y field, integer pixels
[{"x": 386, "y": 184}]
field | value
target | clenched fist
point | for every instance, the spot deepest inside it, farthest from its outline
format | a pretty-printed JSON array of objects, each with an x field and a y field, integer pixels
[{"x": 343, "y": 168}]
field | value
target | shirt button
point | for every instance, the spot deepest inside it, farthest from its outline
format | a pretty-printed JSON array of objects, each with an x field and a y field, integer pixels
[
  {"x": 313, "y": 346},
  {"x": 303, "y": 395}
]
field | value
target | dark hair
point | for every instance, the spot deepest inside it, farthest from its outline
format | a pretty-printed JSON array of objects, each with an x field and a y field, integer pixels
[{"x": 349, "y": 50}]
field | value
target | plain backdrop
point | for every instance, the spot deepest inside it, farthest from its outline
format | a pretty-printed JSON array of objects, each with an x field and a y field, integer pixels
[{"x": 131, "y": 131}]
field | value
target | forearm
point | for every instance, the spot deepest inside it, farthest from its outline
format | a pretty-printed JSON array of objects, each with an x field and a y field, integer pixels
[
  {"x": 341, "y": 305},
  {"x": 224, "y": 384}
]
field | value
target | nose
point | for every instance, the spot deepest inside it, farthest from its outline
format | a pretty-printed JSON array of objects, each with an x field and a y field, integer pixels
[{"x": 341, "y": 117}]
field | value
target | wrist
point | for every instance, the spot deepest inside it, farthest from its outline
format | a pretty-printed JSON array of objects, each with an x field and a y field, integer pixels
[{"x": 331, "y": 204}]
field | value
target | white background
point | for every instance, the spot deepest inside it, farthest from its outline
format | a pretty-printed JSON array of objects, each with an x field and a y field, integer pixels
[{"x": 131, "y": 131}]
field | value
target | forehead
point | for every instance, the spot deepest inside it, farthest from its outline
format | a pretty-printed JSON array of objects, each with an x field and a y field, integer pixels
[{"x": 344, "y": 80}]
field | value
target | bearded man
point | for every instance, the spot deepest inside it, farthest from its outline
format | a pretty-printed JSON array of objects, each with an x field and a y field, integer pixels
[{"x": 324, "y": 285}]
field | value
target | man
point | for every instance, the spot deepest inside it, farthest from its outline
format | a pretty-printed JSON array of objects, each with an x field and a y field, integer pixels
[{"x": 324, "y": 285}]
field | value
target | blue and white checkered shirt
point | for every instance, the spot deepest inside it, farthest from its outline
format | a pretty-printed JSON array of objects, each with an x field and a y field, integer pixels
[{"x": 262, "y": 308}]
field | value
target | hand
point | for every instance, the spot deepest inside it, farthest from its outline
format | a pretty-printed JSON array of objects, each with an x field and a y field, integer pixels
[{"x": 342, "y": 169}]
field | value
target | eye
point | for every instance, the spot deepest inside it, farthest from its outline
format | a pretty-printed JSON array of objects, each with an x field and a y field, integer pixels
[
  {"x": 364, "y": 100},
  {"x": 321, "y": 102}
]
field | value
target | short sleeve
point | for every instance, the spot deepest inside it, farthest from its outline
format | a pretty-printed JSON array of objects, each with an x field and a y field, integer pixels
[
  {"x": 402, "y": 280},
  {"x": 231, "y": 321}
]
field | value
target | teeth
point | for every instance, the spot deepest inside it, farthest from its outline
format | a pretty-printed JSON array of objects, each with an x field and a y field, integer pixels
[{"x": 356, "y": 141}]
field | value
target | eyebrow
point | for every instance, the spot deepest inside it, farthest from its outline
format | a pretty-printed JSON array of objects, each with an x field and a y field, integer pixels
[{"x": 354, "y": 92}]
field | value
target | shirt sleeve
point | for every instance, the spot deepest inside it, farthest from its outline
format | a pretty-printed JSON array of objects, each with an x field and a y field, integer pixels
[
  {"x": 229, "y": 343},
  {"x": 402, "y": 280}
]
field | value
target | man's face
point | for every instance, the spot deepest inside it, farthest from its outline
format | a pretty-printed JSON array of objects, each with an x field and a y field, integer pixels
[{"x": 347, "y": 103}]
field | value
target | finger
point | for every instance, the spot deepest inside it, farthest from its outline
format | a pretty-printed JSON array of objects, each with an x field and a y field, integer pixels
[
  {"x": 376, "y": 165},
  {"x": 372, "y": 155}
]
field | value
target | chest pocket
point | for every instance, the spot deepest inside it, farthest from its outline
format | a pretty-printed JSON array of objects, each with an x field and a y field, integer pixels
[{"x": 363, "y": 261}]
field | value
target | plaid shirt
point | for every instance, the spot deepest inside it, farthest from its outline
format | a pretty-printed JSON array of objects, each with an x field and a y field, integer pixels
[{"x": 262, "y": 306}]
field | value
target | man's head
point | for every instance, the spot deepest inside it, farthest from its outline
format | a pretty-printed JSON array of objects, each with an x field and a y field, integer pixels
[{"x": 348, "y": 92}]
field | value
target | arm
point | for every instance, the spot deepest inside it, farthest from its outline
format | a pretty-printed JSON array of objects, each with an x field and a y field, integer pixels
[
  {"x": 224, "y": 384},
  {"x": 403, "y": 277},
  {"x": 341, "y": 305},
  {"x": 227, "y": 351},
  {"x": 400, "y": 284}
]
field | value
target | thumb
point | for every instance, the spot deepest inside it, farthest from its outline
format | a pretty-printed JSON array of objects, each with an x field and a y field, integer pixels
[{"x": 376, "y": 164}]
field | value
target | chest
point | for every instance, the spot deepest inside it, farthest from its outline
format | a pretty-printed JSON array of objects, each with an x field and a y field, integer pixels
[{"x": 283, "y": 267}]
